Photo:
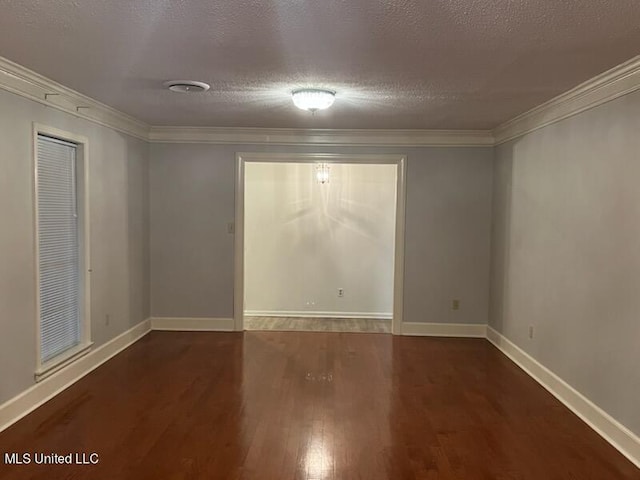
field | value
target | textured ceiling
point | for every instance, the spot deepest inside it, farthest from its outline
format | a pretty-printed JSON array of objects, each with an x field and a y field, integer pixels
[{"x": 395, "y": 63}]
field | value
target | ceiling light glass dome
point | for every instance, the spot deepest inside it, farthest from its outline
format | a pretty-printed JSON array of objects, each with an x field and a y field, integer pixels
[{"x": 313, "y": 99}]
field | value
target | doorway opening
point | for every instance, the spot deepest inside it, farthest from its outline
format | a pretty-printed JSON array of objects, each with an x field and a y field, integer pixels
[{"x": 319, "y": 242}]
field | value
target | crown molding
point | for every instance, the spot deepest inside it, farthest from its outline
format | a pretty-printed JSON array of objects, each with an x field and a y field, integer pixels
[
  {"x": 29, "y": 84},
  {"x": 325, "y": 137},
  {"x": 614, "y": 83},
  {"x": 620, "y": 80}
]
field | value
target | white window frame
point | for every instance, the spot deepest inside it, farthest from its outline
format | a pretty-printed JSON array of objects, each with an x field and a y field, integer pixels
[{"x": 45, "y": 369}]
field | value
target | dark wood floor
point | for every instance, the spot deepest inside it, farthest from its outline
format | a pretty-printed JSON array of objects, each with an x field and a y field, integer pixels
[{"x": 291, "y": 405}]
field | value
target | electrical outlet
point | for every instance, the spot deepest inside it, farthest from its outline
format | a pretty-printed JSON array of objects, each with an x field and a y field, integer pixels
[
  {"x": 341, "y": 292},
  {"x": 107, "y": 319},
  {"x": 531, "y": 331},
  {"x": 455, "y": 304}
]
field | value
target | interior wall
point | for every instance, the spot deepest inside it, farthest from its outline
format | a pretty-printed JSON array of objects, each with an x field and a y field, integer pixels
[
  {"x": 566, "y": 233},
  {"x": 448, "y": 218},
  {"x": 119, "y": 234},
  {"x": 304, "y": 240}
]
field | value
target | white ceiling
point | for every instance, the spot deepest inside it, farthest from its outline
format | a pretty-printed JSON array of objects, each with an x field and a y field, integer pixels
[{"x": 454, "y": 64}]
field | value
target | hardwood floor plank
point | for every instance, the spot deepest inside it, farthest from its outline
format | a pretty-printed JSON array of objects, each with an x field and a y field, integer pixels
[
  {"x": 299, "y": 324},
  {"x": 314, "y": 406}
]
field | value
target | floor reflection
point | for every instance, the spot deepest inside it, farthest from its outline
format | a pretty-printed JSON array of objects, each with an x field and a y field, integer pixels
[{"x": 314, "y": 406}]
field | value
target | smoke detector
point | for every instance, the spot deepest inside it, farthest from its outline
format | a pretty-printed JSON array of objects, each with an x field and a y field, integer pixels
[{"x": 186, "y": 86}]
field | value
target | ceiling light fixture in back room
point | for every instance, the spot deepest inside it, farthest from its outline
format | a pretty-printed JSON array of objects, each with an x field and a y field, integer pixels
[
  {"x": 313, "y": 99},
  {"x": 322, "y": 173}
]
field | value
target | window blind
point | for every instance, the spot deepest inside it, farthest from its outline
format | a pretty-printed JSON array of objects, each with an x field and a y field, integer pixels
[{"x": 58, "y": 242}]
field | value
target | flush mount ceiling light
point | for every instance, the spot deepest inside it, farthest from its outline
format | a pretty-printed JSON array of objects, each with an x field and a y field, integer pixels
[
  {"x": 186, "y": 86},
  {"x": 313, "y": 99}
]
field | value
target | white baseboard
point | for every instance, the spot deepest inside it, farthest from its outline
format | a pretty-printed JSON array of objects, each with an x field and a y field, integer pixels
[
  {"x": 625, "y": 441},
  {"x": 193, "y": 324},
  {"x": 23, "y": 404},
  {"x": 444, "y": 329},
  {"x": 308, "y": 314}
]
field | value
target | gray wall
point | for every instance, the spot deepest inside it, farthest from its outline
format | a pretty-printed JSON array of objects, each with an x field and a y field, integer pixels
[
  {"x": 448, "y": 217},
  {"x": 119, "y": 234},
  {"x": 565, "y": 252}
]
